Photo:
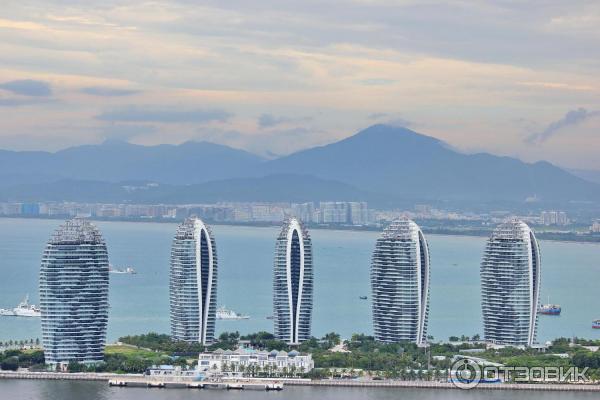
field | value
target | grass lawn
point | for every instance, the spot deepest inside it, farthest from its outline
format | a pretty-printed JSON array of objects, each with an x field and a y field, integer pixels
[{"x": 131, "y": 351}]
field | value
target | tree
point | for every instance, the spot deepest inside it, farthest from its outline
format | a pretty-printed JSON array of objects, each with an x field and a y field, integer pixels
[
  {"x": 74, "y": 366},
  {"x": 10, "y": 364}
]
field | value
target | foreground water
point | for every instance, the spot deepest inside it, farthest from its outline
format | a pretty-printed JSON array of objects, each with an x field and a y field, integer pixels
[
  {"x": 62, "y": 390},
  {"x": 139, "y": 303}
]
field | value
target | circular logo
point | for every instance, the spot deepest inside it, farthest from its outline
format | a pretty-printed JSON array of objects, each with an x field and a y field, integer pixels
[{"x": 465, "y": 374}]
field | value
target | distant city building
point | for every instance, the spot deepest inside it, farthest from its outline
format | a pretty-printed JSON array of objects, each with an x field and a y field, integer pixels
[
  {"x": 400, "y": 284},
  {"x": 333, "y": 212},
  {"x": 293, "y": 283},
  {"x": 510, "y": 285},
  {"x": 30, "y": 209},
  {"x": 304, "y": 212},
  {"x": 74, "y": 294},
  {"x": 595, "y": 228},
  {"x": 423, "y": 209},
  {"x": 554, "y": 218},
  {"x": 272, "y": 362},
  {"x": 193, "y": 283},
  {"x": 343, "y": 212},
  {"x": 358, "y": 213}
]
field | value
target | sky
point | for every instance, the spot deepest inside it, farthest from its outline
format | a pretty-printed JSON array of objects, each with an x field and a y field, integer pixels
[{"x": 272, "y": 77}]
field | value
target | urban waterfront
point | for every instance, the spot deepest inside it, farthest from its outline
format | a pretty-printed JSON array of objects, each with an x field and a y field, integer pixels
[
  {"x": 140, "y": 303},
  {"x": 76, "y": 390}
]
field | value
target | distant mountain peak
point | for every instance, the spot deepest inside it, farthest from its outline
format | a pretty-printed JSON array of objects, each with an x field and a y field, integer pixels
[{"x": 393, "y": 131}]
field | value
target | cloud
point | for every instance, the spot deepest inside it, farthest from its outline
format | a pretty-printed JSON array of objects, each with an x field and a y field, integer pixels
[
  {"x": 108, "y": 91},
  {"x": 268, "y": 120},
  {"x": 28, "y": 87},
  {"x": 20, "y": 102},
  {"x": 573, "y": 117},
  {"x": 133, "y": 114},
  {"x": 126, "y": 131},
  {"x": 377, "y": 116},
  {"x": 377, "y": 81},
  {"x": 390, "y": 119}
]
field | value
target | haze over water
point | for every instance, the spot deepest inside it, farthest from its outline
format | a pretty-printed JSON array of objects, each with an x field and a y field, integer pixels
[{"x": 140, "y": 303}]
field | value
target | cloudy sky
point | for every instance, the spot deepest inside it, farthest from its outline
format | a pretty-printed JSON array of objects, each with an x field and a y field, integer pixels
[{"x": 508, "y": 77}]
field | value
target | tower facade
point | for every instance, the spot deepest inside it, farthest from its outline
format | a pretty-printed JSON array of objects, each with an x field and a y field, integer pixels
[
  {"x": 400, "y": 284},
  {"x": 293, "y": 283},
  {"x": 193, "y": 283},
  {"x": 510, "y": 285},
  {"x": 74, "y": 294}
]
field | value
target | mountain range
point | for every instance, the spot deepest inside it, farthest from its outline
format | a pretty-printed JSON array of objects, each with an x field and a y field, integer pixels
[{"x": 382, "y": 163}]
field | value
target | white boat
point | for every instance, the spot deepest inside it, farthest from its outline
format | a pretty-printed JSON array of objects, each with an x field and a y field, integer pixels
[
  {"x": 224, "y": 313},
  {"x": 6, "y": 313},
  {"x": 24, "y": 309},
  {"x": 128, "y": 270}
]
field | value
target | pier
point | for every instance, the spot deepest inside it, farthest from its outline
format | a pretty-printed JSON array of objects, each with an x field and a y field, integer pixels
[
  {"x": 138, "y": 380},
  {"x": 174, "y": 383}
]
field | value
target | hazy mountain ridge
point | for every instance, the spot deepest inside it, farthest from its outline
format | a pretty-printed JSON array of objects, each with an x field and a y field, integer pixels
[
  {"x": 114, "y": 161},
  {"x": 403, "y": 163},
  {"x": 273, "y": 188},
  {"x": 383, "y": 163}
]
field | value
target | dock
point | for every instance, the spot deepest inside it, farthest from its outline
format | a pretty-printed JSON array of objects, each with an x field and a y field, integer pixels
[{"x": 175, "y": 383}]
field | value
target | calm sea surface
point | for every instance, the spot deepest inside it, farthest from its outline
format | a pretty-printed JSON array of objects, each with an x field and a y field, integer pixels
[
  {"x": 140, "y": 303},
  {"x": 61, "y": 390}
]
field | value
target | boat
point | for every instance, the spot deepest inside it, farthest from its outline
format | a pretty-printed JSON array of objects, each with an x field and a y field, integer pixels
[
  {"x": 550, "y": 309},
  {"x": 363, "y": 297},
  {"x": 24, "y": 309},
  {"x": 127, "y": 270},
  {"x": 270, "y": 317},
  {"x": 6, "y": 313},
  {"x": 596, "y": 324},
  {"x": 224, "y": 313}
]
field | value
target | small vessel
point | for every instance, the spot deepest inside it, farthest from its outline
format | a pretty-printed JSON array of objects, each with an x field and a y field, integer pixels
[
  {"x": 550, "y": 309},
  {"x": 127, "y": 270},
  {"x": 363, "y": 297},
  {"x": 224, "y": 313},
  {"x": 596, "y": 324},
  {"x": 6, "y": 313},
  {"x": 24, "y": 309},
  {"x": 270, "y": 317}
]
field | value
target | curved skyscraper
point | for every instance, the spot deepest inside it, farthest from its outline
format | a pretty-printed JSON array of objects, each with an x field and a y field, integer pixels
[
  {"x": 193, "y": 283},
  {"x": 400, "y": 284},
  {"x": 510, "y": 285},
  {"x": 293, "y": 283},
  {"x": 74, "y": 294}
]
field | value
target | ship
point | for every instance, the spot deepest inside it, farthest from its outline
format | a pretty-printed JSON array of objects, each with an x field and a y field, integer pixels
[
  {"x": 24, "y": 309},
  {"x": 362, "y": 297},
  {"x": 550, "y": 309},
  {"x": 596, "y": 324},
  {"x": 127, "y": 270},
  {"x": 224, "y": 313},
  {"x": 6, "y": 313}
]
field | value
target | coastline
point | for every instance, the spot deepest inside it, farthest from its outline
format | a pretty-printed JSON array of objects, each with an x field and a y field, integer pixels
[
  {"x": 395, "y": 384},
  {"x": 441, "y": 231}
]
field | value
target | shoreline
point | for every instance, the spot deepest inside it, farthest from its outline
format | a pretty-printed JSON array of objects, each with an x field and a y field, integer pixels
[
  {"x": 106, "y": 377},
  {"x": 435, "y": 231}
]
